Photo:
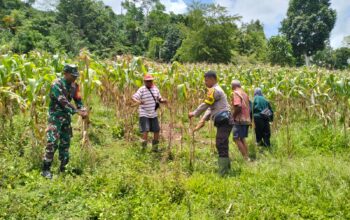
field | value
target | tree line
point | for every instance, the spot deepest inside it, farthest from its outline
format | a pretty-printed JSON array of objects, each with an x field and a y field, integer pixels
[{"x": 206, "y": 33}]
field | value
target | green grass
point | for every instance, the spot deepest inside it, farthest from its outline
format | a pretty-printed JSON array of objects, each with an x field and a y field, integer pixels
[{"x": 115, "y": 180}]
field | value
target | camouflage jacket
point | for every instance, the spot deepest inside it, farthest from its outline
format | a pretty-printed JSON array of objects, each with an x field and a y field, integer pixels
[{"x": 61, "y": 94}]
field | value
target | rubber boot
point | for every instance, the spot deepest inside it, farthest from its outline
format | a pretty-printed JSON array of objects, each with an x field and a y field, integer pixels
[
  {"x": 46, "y": 170},
  {"x": 155, "y": 146},
  {"x": 63, "y": 165},
  {"x": 224, "y": 165}
]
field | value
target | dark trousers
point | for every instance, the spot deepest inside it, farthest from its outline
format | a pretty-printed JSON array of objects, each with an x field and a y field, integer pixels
[
  {"x": 262, "y": 131},
  {"x": 222, "y": 139}
]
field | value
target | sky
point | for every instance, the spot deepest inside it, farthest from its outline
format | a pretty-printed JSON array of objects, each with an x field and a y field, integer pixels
[{"x": 269, "y": 12}]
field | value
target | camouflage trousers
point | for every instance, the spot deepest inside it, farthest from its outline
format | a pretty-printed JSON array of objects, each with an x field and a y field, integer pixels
[{"x": 58, "y": 134}]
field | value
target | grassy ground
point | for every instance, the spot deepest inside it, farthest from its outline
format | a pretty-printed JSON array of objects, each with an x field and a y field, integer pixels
[{"x": 113, "y": 179}]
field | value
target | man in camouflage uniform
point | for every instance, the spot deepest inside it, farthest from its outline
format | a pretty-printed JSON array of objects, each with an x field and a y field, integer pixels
[{"x": 59, "y": 131}]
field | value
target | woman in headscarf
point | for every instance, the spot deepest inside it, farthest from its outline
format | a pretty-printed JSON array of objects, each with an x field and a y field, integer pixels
[{"x": 263, "y": 114}]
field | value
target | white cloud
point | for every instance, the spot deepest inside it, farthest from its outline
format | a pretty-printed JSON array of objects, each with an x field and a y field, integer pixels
[
  {"x": 178, "y": 6},
  {"x": 45, "y": 5},
  {"x": 342, "y": 25},
  {"x": 271, "y": 13},
  {"x": 115, "y": 4}
]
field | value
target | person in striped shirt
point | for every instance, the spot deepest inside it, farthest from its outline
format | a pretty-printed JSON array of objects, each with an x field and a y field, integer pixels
[{"x": 148, "y": 98}]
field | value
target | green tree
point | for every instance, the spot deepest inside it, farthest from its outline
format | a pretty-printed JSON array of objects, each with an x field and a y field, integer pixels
[
  {"x": 324, "y": 58},
  {"x": 154, "y": 48},
  {"x": 90, "y": 22},
  {"x": 29, "y": 2},
  {"x": 308, "y": 26},
  {"x": 26, "y": 28},
  {"x": 144, "y": 20},
  {"x": 252, "y": 41},
  {"x": 342, "y": 58},
  {"x": 172, "y": 42},
  {"x": 133, "y": 21},
  {"x": 332, "y": 59},
  {"x": 157, "y": 21},
  {"x": 280, "y": 51},
  {"x": 26, "y": 40},
  {"x": 38, "y": 32},
  {"x": 208, "y": 36},
  {"x": 7, "y": 5}
]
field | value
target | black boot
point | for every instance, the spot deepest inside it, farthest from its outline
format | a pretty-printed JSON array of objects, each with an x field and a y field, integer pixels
[
  {"x": 63, "y": 165},
  {"x": 155, "y": 145},
  {"x": 46, "y": 170}
]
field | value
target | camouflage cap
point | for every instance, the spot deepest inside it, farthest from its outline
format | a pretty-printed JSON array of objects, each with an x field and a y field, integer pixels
[{"x": 72, "y": 69}]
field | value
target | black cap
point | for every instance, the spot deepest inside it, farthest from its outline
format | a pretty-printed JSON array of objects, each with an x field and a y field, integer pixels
[{"x": 211, "y": 74}]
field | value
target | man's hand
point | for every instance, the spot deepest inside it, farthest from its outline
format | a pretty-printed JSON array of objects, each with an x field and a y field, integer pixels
[
  {"x": 135, "y": 102},
  {"x": 200, "y": 124},
  {"x": 191, "y": 114},
  {"x": 163, "y": 101}
]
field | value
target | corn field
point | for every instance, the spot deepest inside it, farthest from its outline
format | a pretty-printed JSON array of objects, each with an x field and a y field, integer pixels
[{"x": 301, "y": 94}]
